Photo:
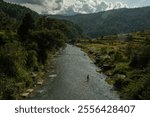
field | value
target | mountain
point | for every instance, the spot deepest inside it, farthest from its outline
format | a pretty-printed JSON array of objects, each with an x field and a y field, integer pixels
[
  {"x": 11, "y": 15},
  {"x": 111, "y": 22},
  {"x": 14, "y": 10}
]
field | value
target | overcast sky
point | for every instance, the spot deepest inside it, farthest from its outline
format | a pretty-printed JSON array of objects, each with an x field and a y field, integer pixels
[{"x": 78, "y": 6}]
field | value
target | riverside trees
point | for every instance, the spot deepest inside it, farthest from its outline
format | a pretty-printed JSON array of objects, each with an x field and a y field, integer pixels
[{"x": 27, "y": 50}]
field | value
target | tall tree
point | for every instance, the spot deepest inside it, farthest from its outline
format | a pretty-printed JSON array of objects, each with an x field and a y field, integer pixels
[{"x": 27, "y": 24}]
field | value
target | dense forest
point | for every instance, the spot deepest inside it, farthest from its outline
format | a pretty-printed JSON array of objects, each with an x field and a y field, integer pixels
[
  {"x": 27, "y": 41},
  {"x": 111, "y": 22}
]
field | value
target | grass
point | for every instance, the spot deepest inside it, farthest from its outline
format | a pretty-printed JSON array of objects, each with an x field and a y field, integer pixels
[{"x": 114, "y": 56}]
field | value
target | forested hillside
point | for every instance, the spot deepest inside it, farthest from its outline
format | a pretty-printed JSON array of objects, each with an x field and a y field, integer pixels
[
  {"x": 112, "y": 22},
  {"x": 27, "y": 42},
  {"x": 15, "y": 11},
  {"x": 11, "y": 14}
]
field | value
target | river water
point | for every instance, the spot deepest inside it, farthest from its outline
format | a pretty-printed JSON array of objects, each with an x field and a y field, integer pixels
[{"x": 72, "y": 67}]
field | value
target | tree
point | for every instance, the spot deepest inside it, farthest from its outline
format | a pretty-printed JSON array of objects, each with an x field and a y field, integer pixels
[
  {"x": 48, "y": 40},
  {"x": 27, "y": 24},
  {"x": 141, "y": 59}
]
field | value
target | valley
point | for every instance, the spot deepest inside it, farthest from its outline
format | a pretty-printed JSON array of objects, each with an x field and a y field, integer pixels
[{"x": 98, "y": 56}]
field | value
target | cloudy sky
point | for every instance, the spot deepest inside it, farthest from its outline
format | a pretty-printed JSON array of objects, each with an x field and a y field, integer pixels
[{"x": 78, "y": 6}]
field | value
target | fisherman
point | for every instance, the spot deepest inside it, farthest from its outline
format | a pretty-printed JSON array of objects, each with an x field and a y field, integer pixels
[{"x": 88, "y": 78}]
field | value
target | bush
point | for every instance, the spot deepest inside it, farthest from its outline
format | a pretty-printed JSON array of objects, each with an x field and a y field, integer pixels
[
  {"x": 8, "y": 89},
  {"x": 48, "y": 40},
  {"x": 119, "y": 57},
  {"x": 121, "y": 68},
  {"x": 140, "y": 59},
  {"x": 32, "y": 60},
  {"x": 133, "y": 91},
  {"x": 12, "y": 59},
  {"x": 27, "y": 24},
  {"x": 120, "y": 83},
  {"x": 146, "y": 92}
]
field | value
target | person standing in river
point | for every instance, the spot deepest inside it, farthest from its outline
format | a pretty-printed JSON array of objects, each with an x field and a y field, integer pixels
[{"x": 88, "y": 78}]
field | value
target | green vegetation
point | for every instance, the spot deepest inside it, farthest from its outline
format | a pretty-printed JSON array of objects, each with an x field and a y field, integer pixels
[
  {"x": 125, "y": 59},
  {"x": 15, "y": 11},
  {"x": 112, "y": 22},
  {"x": 27, "y": 42}
]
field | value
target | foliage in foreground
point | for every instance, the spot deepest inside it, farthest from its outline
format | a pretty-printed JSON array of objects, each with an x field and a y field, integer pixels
[{"x": 27, "y": 51}]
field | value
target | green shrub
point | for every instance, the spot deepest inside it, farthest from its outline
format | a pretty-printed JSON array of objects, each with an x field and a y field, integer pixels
[
  {"x": 140, "y": 59},
  {"x": 7, "y": 89},
  {"x": 118, "y": 57},
  {"x": 12, "y": 59},
  {"x": 32, "y": 60},
  {"x": 120, "y": 83},
  {"x": 121, "y": 68},
  {"x": 103, "y": 50},
  {"x": 146, "y": 92},
  {"x": 133, "y": 91},
  {"x": 48, "y": 40}
]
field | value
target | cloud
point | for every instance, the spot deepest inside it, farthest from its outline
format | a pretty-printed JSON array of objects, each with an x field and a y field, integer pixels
[
  {"x": 90, "y": 6},
  {"x": 69, "y": 7},
  {"x": 119, "y": 5},
  {"x": 39, "y": 2},
  {"x": 40, "y": 6}
]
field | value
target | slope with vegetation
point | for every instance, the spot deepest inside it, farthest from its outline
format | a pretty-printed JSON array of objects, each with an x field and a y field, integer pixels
[
  {"x": 11, "y": 15},
  {"x": 125, "y": 59},
  {"x": 112, "y": 22},
  {"x": 27, "y": 42}
]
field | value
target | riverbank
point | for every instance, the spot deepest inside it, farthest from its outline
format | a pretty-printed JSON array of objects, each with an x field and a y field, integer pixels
[
  {"x": 125, "y": 63},
  {"x": 48, "y": 72}
]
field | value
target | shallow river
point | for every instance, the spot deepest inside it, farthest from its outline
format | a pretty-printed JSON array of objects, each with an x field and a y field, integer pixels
[{"x": 72, "y": 67}]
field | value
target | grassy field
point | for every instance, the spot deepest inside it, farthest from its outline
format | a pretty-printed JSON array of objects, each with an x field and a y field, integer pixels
[{"x": 125, "y": 60}]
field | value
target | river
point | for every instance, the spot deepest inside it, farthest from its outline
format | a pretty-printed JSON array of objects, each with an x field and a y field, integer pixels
[{"x": 72, "y": 67}]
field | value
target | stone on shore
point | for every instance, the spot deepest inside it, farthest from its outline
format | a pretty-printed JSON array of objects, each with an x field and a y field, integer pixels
[
  {"x": 40, "y": 82},
  {"x": 52, "y": 76},
  {"x": 25, "y": 95},
  {"x": 30, "y": 90}
]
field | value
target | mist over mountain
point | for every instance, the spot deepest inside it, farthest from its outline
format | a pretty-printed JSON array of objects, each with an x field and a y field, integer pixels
[{"x": 112, "y": 22}]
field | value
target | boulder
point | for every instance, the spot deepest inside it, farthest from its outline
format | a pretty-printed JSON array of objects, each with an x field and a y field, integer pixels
[
  {"x": 53, "y": 76},
  {"x": 98, "y": 70},
  {"x": 30, "y": 90},
  {"x": 25, "y": 95},
  {"x": 121, "y": 76},
  {"x": 40, "y": 82},
  {"x": 106, "y": 67},
  {"x": 33, "y": 75}
]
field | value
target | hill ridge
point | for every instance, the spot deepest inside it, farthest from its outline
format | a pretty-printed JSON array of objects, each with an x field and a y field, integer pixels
[{"x": 111, "y": 22}]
